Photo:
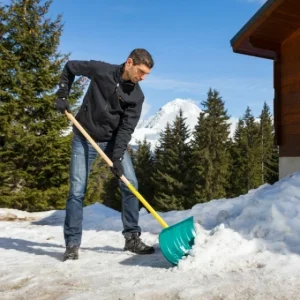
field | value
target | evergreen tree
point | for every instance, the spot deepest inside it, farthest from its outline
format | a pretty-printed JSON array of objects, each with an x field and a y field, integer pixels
[
  {"x": 143, "y": 162},
  {"x": 239, "y": 150},
  {"x": 100, "y": 173},
  {"x": 172, "y": 162},
  {"x": 172, "y": 159},
  {"x": 269, "y": 153},
  {"x": 253, "y": 170},
  {"x": 164, "y": 197},
  {"x": 210, "y": 153},
  {"x": 34, "y": 154},
  {"x": 182, "y": 159},
  {"x": 246, "y": 156}
]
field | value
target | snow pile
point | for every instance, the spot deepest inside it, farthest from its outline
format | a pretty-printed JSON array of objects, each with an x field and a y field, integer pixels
[{"x": 246, "y": 248}]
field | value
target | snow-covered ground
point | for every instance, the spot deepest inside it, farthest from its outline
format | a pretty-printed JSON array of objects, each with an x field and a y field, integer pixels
[{"x": 246, "y": 248}]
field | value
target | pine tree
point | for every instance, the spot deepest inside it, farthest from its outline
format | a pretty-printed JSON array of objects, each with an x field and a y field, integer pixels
[
  {"x": 253, "y": 154},
  {"x": 210, "y": 151},
  {"x": 269, "y": 153},
  {"x": 99, "y": 174},
  {"x": 238, "y": 180},
  {"x": 34, "y": 154},
  {"x": 171, "y": 166},
  {"x": 246, "y": 156},
  {"x": 143, "y": 162},
  {"x": 182, "y": 159},
  {"x": 164, "y": 196}
]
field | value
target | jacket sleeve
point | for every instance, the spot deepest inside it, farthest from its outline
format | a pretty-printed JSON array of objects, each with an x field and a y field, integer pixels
[
  {"x": 128, "y": 123},
  {"x": 75, "y": 68}
]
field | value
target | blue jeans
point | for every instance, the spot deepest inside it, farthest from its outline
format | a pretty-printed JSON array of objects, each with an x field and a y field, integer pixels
[{"x": 83, "y": 155}]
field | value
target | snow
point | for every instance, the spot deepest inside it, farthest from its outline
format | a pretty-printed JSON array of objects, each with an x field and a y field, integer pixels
[
  {"x": 151, "y": 127},
  {"x": 245, "y": 248}
]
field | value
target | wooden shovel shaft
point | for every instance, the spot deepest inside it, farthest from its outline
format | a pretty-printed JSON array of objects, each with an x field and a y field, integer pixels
[{"x": 123, "y": 178}]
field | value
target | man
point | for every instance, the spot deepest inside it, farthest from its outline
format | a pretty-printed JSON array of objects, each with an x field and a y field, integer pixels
[{"x": 110, "y": 111}]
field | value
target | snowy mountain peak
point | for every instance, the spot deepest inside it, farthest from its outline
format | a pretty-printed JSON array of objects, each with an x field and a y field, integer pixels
[
  {"x": 169, "y": 111},
  {"x": 151, "y": 127},
  {"x": 175, "y": 105}
]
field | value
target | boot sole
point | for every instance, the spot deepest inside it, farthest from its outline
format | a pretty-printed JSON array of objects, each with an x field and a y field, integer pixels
[
  {"x": 140, "y": 253},
  {"x": 70, "y": 258}
]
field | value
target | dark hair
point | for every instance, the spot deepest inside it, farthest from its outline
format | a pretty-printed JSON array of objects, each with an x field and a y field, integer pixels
[{"x": 141, "y": 57}]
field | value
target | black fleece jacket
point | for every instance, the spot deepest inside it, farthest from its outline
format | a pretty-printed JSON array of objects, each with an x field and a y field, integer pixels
[{"x": 111, "y": 108}]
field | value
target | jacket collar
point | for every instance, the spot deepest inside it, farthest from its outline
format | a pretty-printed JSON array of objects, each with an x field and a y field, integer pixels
[{"x": 127, "y": 86}]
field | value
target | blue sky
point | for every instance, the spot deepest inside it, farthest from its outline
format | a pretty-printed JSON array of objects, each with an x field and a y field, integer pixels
[{"x": 189, "y": 41}]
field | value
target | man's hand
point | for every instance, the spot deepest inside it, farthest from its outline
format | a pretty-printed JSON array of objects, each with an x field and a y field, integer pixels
[
  {"x": 117, "y": 167},
  {"x": 62, "y": 104}
]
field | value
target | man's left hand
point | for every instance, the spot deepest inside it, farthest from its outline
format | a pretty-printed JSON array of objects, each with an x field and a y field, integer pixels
[{"x": 117, "y": 168}]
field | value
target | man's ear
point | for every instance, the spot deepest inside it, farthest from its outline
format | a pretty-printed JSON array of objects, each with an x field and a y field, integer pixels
[{"x": 129, "y": 62}]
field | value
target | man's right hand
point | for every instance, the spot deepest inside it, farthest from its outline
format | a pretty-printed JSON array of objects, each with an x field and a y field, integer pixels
[
  {"x": 117, "y": 168},
  {"x": 62, "y": 104}
]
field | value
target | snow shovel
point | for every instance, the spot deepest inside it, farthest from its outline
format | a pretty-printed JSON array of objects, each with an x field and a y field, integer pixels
[{"x": 176, "y": 240}]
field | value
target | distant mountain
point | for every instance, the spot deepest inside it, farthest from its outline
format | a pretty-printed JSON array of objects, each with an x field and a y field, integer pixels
[{"x": 152, "y": 126}]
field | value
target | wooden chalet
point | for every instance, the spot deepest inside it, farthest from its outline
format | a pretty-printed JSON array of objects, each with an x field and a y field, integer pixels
[{"x": 274, "y": 33}]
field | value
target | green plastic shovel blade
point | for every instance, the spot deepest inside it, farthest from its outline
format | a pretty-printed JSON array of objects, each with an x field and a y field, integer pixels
[{"x": 176, "y": 240}]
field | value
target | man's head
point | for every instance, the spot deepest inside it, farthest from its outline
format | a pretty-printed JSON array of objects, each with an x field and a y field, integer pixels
[{"x": 138, "y": 65}]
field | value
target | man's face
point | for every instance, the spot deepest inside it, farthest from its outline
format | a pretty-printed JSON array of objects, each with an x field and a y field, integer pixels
[{"x": 136, "y": 73}]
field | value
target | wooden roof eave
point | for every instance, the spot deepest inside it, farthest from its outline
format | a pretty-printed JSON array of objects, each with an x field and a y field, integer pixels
[{"x": 244, "y": 43}]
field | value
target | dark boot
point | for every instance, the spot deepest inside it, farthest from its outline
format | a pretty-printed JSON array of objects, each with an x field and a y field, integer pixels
[
  {"x": 71, "y": 253},
  {"x": 134, "y": 244}
]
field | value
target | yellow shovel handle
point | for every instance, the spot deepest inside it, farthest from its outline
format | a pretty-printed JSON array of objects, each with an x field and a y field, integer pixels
[{"x": 123, "y": 178}]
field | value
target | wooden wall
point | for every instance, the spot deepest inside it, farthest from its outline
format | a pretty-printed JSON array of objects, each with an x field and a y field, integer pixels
[{"x": 287, "y": 100}]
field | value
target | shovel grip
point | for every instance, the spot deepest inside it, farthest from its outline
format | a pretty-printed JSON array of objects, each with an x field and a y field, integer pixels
[{"x": 109, "y": 162}]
